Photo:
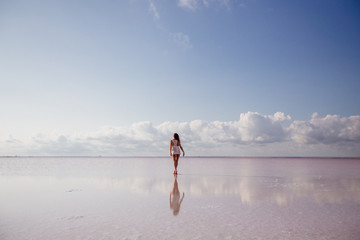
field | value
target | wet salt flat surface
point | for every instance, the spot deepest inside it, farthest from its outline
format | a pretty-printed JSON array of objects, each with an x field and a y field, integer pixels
[{"x": 212, "y": 198}]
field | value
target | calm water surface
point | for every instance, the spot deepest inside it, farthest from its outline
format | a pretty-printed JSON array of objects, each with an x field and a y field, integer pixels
[{"x": 211, "y": 198}]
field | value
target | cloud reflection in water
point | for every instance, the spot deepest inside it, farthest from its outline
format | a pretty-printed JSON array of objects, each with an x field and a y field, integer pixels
[{"x": 250, "y": 190}]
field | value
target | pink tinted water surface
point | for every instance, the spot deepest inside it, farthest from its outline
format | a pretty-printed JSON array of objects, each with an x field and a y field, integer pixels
[{"x": 211, "y": 198}]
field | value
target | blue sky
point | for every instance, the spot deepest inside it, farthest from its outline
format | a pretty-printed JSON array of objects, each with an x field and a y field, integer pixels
[{"x": 72, "y": 70}]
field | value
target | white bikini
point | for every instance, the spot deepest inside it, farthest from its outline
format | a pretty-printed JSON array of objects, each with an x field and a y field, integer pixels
[{"x": 175, "y": 148}]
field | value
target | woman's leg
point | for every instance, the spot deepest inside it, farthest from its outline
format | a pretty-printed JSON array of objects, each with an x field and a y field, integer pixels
[
  {"x": 174, "y": 158},
  {"x": 176, "y": 161}
]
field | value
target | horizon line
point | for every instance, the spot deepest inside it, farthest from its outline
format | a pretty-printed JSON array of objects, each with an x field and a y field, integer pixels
[{"x": 195, "y": 156}]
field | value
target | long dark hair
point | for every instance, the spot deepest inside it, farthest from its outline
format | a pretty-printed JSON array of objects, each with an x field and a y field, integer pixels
[{"x": 176, "y": 136}]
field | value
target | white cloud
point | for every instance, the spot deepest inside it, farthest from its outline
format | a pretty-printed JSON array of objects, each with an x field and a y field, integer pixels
[
  {"x": 194, "y": 5},
  {"x": 182, "y": 40},
  {"x": 153, "y": 10},
  {"x": 179, "y": 38},
  {"x": 189, "y": 4},
  {"x": 331, "y": 129},
  {"x": 252, "y": 134}
]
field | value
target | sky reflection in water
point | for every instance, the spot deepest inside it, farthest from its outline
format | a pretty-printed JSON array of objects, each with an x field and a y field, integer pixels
[{"x": 236, "y": 192}]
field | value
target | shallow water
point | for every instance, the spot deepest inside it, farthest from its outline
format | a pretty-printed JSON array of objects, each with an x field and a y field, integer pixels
[{"x": 212, "y": 198}]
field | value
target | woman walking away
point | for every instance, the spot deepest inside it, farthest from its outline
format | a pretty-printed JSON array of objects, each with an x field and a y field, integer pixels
[{"x": 175, "y": 146}]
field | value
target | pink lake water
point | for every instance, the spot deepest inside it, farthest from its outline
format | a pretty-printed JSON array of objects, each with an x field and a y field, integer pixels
[{"x": 211, "y": 198}]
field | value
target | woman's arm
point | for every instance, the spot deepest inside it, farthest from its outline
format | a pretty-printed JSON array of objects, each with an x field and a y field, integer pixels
[
  {"x": 182, "y": 198},
  {"x": 182, "y": 149},
  {"x": 171, "y": 143},
  {"x": 170, "y": 200}
]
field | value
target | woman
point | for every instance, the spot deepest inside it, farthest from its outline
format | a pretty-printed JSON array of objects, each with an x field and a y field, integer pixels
[{"x": 175, "y": 146}]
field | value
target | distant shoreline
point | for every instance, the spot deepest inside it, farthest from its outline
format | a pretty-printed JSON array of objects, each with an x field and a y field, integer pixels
[{"x": 240, "y": 157}]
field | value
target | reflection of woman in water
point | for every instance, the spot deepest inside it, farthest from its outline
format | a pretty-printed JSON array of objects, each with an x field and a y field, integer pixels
[
  {"x": 175, "y": 146},
  {"x": 175, "y": 201}
]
